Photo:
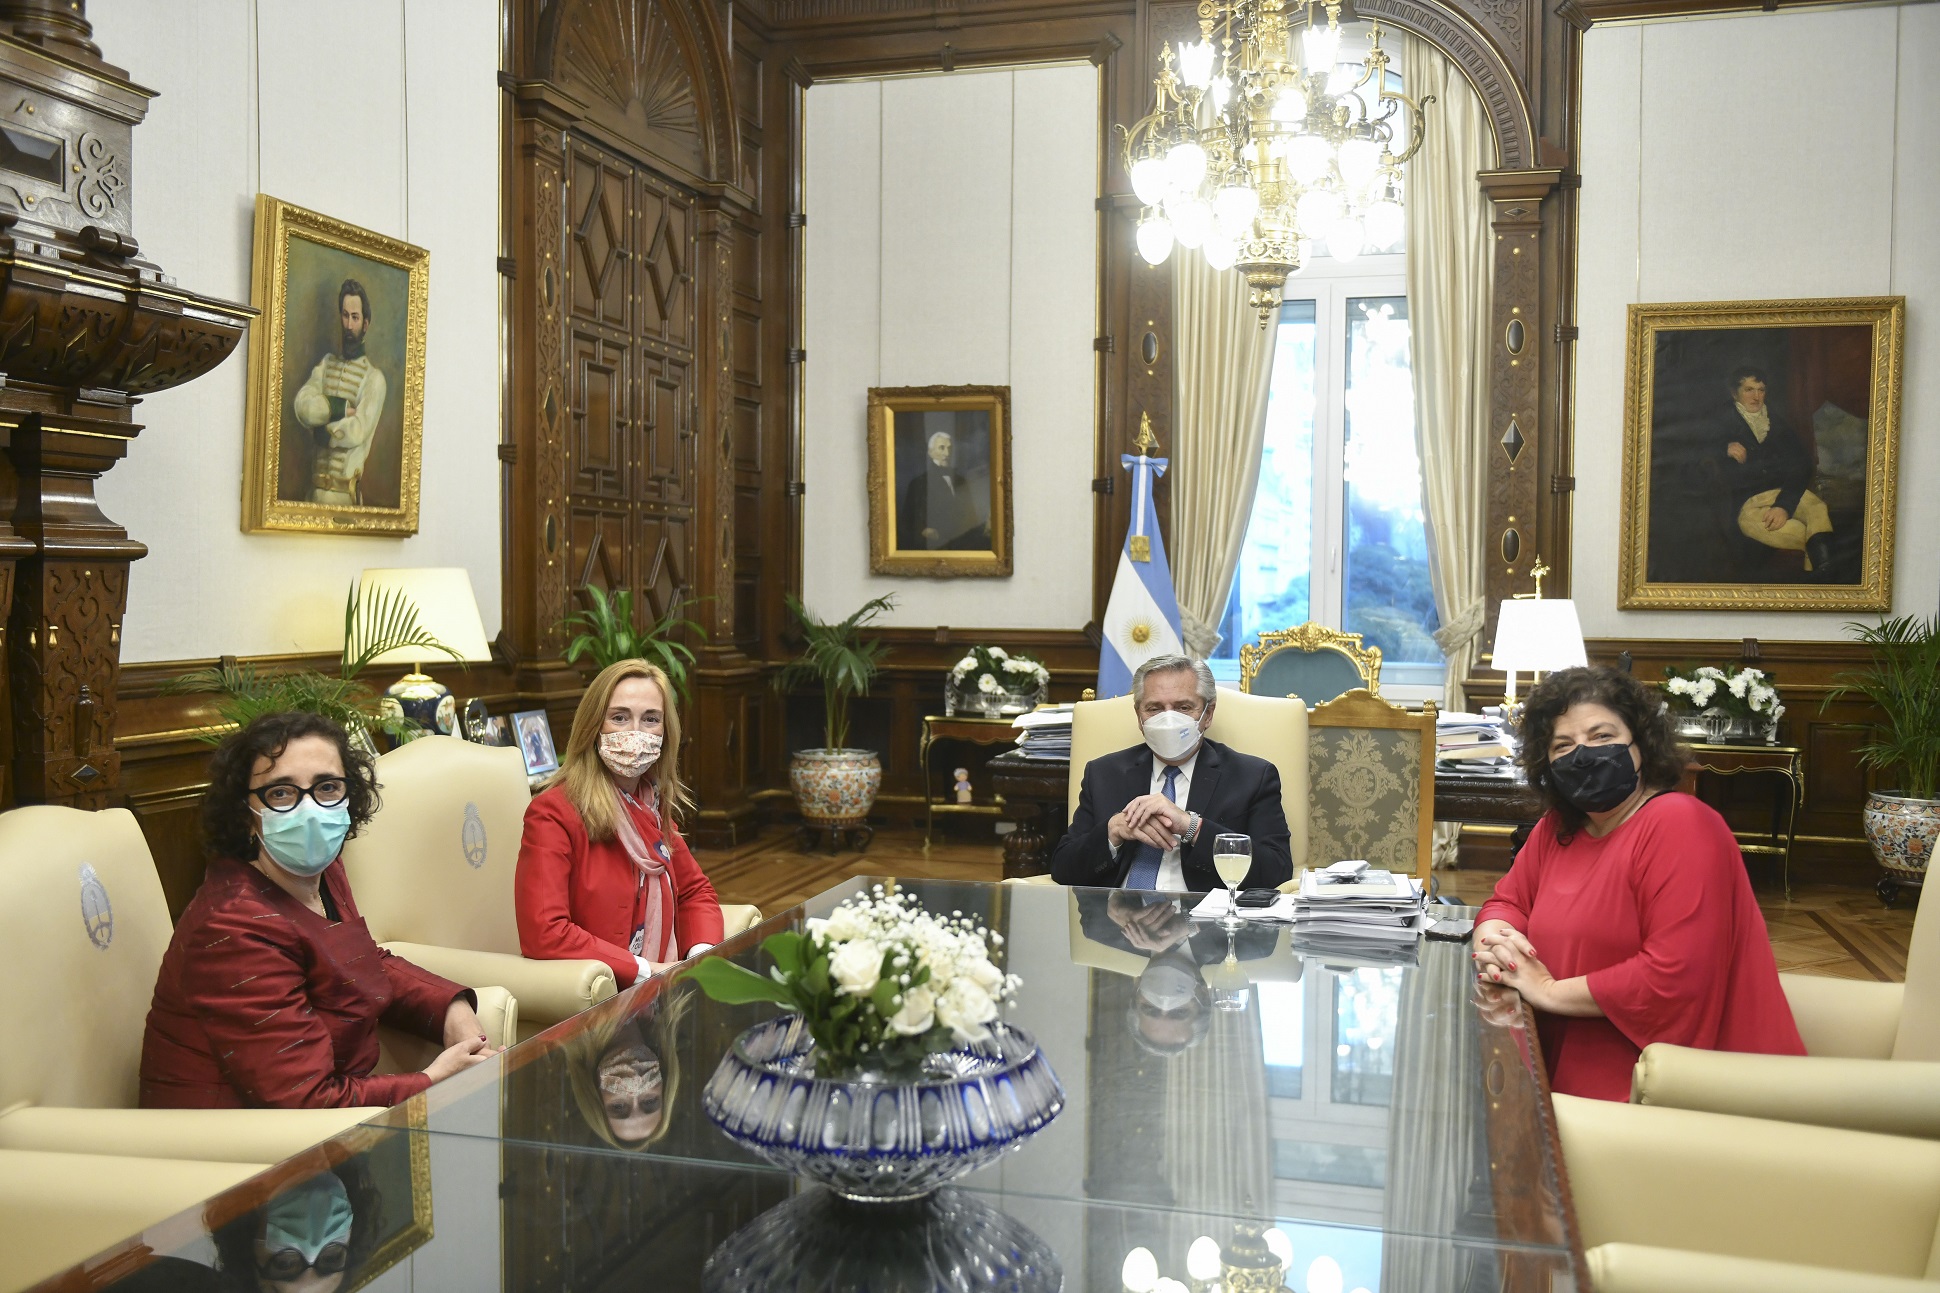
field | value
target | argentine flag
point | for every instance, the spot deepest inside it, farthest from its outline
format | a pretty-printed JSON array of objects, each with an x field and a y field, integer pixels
[{"x": 1142, "y": 617}]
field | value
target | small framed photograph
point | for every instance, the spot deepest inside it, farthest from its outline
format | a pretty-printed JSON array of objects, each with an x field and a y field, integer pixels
[
  {"x": 939, "y": 480},
  {"x": 1761, "y": 447},
  {"x": 535, "y": 742}
]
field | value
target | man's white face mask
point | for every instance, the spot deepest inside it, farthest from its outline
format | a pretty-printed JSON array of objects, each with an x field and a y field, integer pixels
[
  {"x": 1167, "y": 987},
  {"x": 1171, "y": 735}
]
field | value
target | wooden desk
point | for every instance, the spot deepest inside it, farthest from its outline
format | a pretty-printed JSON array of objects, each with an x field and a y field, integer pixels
[{"x": 959, "y": 727}]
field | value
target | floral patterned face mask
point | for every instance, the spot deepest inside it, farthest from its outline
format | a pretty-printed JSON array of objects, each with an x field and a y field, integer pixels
[{"x": 629, "y": 754}]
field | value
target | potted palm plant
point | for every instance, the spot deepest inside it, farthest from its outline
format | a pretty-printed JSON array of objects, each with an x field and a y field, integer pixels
[
  {"x": 835, "y": 786},
  {"x": 1903, "y": 823},
  {"x": 605, "y": 633}
]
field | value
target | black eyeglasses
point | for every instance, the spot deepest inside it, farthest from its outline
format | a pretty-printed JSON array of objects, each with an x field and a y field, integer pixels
[
  {"x": 287, "y": 1264},
  {"x": 284, "y": 797}
]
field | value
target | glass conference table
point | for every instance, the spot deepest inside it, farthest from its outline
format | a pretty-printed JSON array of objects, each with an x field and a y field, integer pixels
[{"x": 1383, "y": 1112}]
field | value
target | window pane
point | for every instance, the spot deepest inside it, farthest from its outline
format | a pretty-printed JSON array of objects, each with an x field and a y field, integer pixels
[
  {"x": 1387, "y": 594},
  {"x": 1365, "y": 1006},
  {"x": 1282, "y": 1028},
  {"x": 1270, "y": 583}
]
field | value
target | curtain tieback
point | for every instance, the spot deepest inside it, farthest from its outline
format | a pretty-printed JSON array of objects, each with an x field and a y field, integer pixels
[
  {"x": 1201, "y": 638},
  {"x": 1463, "y": 629}
]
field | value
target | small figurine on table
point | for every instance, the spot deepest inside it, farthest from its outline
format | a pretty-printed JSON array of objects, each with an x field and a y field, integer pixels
[{"x": 963, "y": 785}]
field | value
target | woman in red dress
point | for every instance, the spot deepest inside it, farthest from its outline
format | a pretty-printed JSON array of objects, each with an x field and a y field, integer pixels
[
  {"x": 1627, "y": 918},
  {"x": 603, "y": 874},
  {"x": 271, "y": 991}
]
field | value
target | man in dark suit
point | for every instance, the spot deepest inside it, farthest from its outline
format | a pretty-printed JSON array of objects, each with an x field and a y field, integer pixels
[{"x": 1147, "y": 816}]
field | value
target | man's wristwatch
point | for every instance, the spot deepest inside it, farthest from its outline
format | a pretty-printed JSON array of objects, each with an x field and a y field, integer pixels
[{"x": 1192, "y": 829}]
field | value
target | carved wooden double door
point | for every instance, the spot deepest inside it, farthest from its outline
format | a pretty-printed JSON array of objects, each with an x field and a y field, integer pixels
[{"x": 630, "y": 336}]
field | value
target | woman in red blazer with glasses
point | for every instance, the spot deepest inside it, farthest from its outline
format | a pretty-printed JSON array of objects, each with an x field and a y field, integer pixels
[
  {"x": 271, "y": 990},
  {"x": 603, "y": 873}
]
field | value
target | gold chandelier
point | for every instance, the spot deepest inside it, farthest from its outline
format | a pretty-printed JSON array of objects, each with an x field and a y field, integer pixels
[{"x": 1256, "y": 151}]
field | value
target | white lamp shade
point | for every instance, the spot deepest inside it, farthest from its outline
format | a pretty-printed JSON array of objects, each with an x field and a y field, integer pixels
[
  {"x": 447, "y": 610},
  {"x": 1538, "y": 635}
]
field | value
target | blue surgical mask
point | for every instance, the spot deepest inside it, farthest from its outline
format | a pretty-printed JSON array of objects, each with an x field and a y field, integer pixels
[{"x": 306, "y": 839}]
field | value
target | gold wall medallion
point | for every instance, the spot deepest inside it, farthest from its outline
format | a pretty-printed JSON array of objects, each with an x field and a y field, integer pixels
[
  {"x": 335, "y": 423},
  {"x": 1760, "y": 455},
  {"x": 939, "y": 481}
]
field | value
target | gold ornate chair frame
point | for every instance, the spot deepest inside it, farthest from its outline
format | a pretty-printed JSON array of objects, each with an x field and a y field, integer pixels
[
  {"x": 1311, "y": 637},
  {"x": 1362, "y": 708}
]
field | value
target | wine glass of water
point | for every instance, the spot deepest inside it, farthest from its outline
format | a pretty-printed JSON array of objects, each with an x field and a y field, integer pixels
[{"x": 1232, "y": 859}]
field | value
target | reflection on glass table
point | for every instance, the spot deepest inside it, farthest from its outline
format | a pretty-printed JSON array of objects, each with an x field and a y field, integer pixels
[{"x": 581, "y": 1158}]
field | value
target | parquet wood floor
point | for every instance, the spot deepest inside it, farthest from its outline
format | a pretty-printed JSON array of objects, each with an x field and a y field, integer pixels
[{"x": 1823, "y": 929}]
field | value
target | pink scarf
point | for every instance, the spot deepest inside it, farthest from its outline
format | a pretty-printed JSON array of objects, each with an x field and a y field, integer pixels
[{"x": 659, "y": 943}]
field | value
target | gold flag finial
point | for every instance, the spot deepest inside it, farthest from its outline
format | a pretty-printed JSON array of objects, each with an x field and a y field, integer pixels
[{"x": 1146, "y": 441}]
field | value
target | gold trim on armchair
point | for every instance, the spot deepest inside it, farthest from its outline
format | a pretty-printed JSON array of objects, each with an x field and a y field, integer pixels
[{"x": 1311, "y": 637}]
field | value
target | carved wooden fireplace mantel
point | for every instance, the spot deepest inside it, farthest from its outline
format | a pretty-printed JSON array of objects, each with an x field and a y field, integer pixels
[{"x": 87, "y": 327}]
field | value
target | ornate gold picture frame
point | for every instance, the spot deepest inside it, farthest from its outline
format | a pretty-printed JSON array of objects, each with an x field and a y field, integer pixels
[
  {"x": 1760, "y": 455},
  {"x": 335, "y": 423},
  {"x": 939, "y": 480}
]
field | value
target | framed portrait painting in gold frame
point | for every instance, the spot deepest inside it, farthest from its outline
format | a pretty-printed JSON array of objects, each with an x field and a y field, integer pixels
[
  {"x": 1760, "y": 455},
  {"x": 335, "y": 425},
  {"x": 939, "y": 480}
]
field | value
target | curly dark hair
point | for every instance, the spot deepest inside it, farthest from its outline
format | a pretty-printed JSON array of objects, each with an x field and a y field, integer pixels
[
  {"x": 1640, "y": 707},
  {"x": 227, "y": 822}
]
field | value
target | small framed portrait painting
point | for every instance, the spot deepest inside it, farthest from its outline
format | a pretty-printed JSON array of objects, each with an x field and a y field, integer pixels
[
  {"x": 1761, "y": 447},
  {"x": 534, "y": 734},
  {"x": 939, "y": 480},
  {"x": 335, "y": 419}
]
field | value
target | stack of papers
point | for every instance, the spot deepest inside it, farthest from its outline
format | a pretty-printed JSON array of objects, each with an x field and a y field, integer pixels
[
  {"x": 1352, "y": 904},
  {"x": 1474, "y": 743},
  {"x": 1045, "y": 733}
]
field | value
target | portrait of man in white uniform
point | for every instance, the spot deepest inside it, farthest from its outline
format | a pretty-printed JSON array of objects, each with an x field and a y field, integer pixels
[{"x": 341, "y": 404}]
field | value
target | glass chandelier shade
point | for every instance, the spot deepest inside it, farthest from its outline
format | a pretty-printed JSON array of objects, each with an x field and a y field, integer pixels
[{"x": 1262, "y": 145}]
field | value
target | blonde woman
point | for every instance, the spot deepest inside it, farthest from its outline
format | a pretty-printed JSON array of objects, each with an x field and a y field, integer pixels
[{"x": 603, "y": 874}]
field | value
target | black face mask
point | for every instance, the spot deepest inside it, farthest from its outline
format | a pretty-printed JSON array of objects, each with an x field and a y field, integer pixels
[{"x": 1594, "y": 778}]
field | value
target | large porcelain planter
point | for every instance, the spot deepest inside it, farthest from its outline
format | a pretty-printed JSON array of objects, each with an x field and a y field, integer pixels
[
  {"x": 1903, "y": 833},
  {"x": 835, "y": 787}
]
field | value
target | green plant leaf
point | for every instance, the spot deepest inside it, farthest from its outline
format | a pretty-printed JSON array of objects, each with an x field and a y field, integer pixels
[
  {"x": 735, "y": 985},
  {"x": 788, "y": 951}
]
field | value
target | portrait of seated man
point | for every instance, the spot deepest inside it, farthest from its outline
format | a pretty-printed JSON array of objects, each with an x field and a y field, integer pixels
[
  {"x": 1766, "y": 472},
  {"x": 1147, "y": 816}
]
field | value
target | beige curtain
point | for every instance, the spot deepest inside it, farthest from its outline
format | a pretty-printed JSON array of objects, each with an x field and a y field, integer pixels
[
  {"x": 1221, "y": 373},
  {"x": 1218, "y": 1163},
  {"x": 1448, "y": 279}
]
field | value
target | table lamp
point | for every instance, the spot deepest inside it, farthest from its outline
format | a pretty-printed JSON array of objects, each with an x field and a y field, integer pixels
[
  {"x": 1538, "y": 634},
  {"x": 447, "y": 611}
]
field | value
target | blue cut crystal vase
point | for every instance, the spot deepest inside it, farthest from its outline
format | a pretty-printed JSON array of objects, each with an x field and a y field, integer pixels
[{"x": 872, "y": 1137}]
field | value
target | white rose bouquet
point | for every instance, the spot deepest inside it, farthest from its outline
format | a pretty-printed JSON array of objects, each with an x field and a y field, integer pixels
[{"x": 881, "y": 982}]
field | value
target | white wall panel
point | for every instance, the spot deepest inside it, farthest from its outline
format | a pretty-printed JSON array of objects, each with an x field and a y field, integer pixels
[
  {"x": 952, "y": 240},
  {"x": 344, "y": 89},
  {"x": 1757, "y": 156}
]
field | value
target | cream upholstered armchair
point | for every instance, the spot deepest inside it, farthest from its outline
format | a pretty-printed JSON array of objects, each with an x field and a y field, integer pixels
[
  {"x": 1310, "y": 661},
  {"x": 1872, "y": 1055},
  {"x": 433, "y": 874},
  {"x": 1373, "y": 783},
  {"x": 1677, "y": 1201},
  {"x": 83, "y": 926},
  {"x": 1265, "y": 727}
]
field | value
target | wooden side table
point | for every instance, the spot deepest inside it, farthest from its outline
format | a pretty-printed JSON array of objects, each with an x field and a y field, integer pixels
[
  {"x": 959, "y": 727},
  {"x": 1786, "y": 762}
]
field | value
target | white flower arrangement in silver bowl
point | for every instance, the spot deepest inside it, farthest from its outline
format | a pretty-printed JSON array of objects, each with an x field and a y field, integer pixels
[
  {"x": 1715, "y": 703},
  {"x": 995, "y": 681}
]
